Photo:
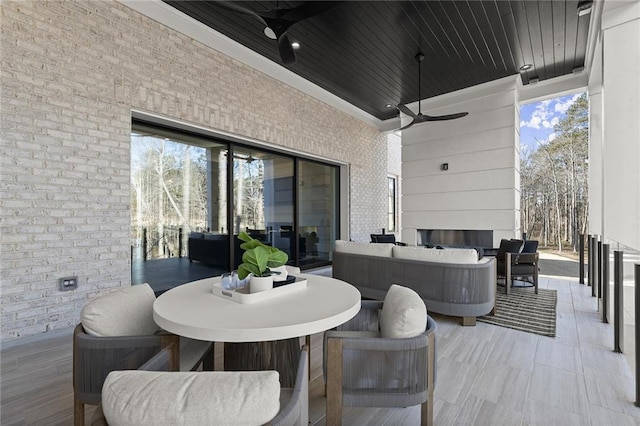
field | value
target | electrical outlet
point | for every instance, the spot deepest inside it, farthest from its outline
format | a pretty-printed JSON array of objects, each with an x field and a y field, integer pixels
[{"x": 68, "y": 283}]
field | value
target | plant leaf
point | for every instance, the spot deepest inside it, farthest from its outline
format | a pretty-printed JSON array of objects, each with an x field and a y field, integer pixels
[
  {"x": 244, "y": 270},
  {"x": 258, "y": 257},
  {"x": 277, "y": 258}
]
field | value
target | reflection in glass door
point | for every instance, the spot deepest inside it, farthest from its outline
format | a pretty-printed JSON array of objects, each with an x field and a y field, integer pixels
[
  {"x": 263, "y": 199},
  {"x": 317, "y": 212}
]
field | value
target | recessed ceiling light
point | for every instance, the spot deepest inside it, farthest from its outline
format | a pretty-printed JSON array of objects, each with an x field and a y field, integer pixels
[
  {"x": 388, "y": 106},
  {"x": 526, "y": 67},
  {"x": 295, "y": 45},
  {"x": 584, "y": 7}
]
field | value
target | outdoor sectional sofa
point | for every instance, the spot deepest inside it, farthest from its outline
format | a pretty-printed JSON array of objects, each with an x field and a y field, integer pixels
[{"x": 452, "y": 282}]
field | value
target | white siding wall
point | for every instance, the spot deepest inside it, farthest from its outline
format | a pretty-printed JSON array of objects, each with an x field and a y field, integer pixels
[
  {"x": 621, "y": 125},
  {"x": 481, "y": 189}
]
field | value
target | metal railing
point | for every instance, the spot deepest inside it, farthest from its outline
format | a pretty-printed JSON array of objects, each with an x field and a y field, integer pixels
[{"x": 598, "y": 277}]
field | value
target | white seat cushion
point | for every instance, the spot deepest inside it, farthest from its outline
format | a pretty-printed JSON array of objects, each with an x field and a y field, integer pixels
[
  {"x": 127, "y": 311},
  {"x": 369, "y": 249},
  {"x": 403, "y": 314},
  {"x": 196, "y": 398}
]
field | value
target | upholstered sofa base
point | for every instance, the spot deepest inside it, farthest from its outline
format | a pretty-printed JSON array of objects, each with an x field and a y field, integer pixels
[{"x": 459, "y": 290}]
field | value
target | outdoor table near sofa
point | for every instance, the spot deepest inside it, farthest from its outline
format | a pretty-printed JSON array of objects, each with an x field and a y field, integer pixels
[{"x": 265, "y": 334}]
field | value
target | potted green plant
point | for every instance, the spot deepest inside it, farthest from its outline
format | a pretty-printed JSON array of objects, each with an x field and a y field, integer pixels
[{"x": 257, "y": 260}]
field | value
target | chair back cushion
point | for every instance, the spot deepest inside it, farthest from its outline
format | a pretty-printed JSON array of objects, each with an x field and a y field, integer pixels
[
  {"x": 383, "y": 238},
  {"x": 403, "y": 314},
  {"x": 530, "y": 246},
  {"x": 127, "y": 311},
  {"x": 509, "y": 246},
  {"x": 191, "y": 398}
]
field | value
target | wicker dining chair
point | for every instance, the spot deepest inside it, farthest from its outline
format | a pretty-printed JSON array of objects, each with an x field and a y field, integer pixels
[
  {"x": 238, "y": 401},
  {"x": 364, "y": 369},
  {"x": 117, "y": 332}
]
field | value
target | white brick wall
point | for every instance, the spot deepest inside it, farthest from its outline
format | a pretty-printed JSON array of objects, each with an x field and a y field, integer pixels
[{"x": 72, "y": 72}]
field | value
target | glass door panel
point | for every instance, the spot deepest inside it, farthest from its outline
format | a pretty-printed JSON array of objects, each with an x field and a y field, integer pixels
[
  {"x": 317, "y": 212},
  {"x": 263, "y": 196},
  {"x": 178, "y": 198}
]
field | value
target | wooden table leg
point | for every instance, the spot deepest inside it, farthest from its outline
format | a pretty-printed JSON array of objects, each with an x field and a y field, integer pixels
[{"x": 279, "y": 355}]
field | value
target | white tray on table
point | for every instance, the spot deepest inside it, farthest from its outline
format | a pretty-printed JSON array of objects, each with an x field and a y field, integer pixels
[{"x": 243, "y": 296}]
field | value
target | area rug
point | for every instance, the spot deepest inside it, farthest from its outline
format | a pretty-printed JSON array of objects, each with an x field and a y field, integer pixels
[{"x": 526, "y": 311}]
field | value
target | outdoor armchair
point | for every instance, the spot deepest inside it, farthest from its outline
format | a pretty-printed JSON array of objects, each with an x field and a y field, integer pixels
[
  {"x": 364, "y": 369},
  {"x": 117, "y": 332},
  {"x": 517, "y": 259},
  {"x": 247, "y": 397}
]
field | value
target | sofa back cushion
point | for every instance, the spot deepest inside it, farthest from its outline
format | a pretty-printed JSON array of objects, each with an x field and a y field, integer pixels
[
  {"x": 191, "y": 398},
  {"x": 453, "y": 255},
  {"x": 380, "y": 250},
  {"x": 403, "y": 314},
  {"x": 127, "y": 311}
]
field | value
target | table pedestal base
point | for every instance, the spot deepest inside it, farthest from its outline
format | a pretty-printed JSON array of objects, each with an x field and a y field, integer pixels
[{"x": 279, "y": 355}]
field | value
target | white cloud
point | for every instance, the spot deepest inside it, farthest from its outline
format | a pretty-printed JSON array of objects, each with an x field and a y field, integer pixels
[
  {"x": 550, "y": 124},
  {"x": 539, "y": 117},
  {"x": 563, "y": 106}
]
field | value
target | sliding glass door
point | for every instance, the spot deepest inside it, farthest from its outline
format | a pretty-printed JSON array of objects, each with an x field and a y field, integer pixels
[
  {"x": 263, "y": 198},
  {"x": 192, "y": 195},
  {"x": 317, "y": 211}
]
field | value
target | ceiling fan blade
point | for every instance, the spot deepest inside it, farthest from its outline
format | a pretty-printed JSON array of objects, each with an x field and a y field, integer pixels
[
  {"x": 444, "y": 117},
  {"x": 407, "y": 126},
  {"x": 287, "y": 53},
  {"x": 231, "y": 6},
  {"x": 307, "y": 10},
  {"x": 403, "y": 108}
]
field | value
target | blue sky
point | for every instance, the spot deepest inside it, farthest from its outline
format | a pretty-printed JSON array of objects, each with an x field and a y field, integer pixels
[{"x": 537, "y": 120}]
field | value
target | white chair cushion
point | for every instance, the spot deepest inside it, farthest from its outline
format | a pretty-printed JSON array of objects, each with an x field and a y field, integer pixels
[
  {"x": 127, "y": 311},
  {"x": 196, "y": 398},
  {"x": 403, "y": 314},
  {"x": 369, "y": 249},
  {"x": 449, "y": 255}
]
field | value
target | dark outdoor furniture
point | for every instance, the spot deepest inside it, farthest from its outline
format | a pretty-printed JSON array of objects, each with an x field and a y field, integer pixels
[
  {"x": 518, "y": 260},
  {"x": 386, "y": 239},
  {"x": 366, "y": 370}
]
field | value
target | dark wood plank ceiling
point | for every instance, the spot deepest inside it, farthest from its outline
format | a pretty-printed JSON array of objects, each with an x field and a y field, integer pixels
[{"x": 363, "y": 51}]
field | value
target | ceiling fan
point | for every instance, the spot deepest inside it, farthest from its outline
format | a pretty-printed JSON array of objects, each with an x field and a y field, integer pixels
[
  {"x": 420, "y": 117},
  {"x": 277, "y": 21}
]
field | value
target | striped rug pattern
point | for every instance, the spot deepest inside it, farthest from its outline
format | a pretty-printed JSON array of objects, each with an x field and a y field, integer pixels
[{"x": 526, "y": 311}]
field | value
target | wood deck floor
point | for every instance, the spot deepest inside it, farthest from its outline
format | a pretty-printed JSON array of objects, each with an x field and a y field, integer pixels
[{"x": 487, "y": 375}]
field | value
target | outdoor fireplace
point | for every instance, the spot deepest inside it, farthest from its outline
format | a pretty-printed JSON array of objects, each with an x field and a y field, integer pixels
[{"x": 455, "y": 238}]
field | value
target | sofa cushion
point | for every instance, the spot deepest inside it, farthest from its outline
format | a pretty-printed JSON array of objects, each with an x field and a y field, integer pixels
[
  {"x": 403, "y": 314},
  {"x": 191, "y": 398},
  {"x": 452, "y": 255},
  {"x": 368, "y": 249},
  {"x": 127, "y": 311}
]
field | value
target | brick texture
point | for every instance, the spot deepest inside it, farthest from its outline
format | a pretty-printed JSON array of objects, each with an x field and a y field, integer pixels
[{"x": 72, "y": 71}]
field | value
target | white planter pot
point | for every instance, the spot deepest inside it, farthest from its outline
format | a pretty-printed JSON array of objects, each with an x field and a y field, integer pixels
[{"x": 257, "y": 284}]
